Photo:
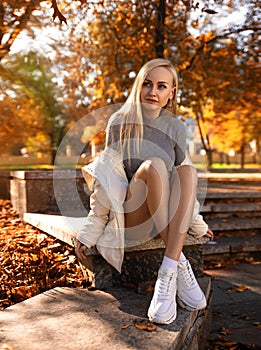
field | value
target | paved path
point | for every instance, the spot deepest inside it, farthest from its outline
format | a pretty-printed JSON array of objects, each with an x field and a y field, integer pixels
[{"x": 237, "y": 304}]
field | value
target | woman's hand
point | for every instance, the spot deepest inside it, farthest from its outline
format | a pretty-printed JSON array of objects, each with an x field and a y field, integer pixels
[
  {"x": 80, "y": 250},
  {"x": 209, "y": 234}
]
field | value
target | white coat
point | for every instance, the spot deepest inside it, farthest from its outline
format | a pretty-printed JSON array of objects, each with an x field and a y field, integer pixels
[{"x": 106, "y": 176}]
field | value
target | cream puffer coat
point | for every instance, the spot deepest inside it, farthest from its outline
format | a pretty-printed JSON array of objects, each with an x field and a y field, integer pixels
[{"x": 104, "y": 225}]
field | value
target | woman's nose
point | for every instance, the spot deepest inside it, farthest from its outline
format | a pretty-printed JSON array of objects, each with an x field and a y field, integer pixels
[{"x": 153, "y": 90}]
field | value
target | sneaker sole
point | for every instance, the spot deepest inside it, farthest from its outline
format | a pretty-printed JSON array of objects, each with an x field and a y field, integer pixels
[
  {"x": 170, "y": 320},
  {"x": 188, "y": 307}
]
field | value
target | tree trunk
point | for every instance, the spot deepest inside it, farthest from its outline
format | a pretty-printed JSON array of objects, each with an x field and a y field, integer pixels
[
  {"x": 242, "y": 150},
  {"x": 209, "y": 157},
  {"x": 227, "y": 159},
  {"x": 159, "y": 35},
  {"x": 205, "y": 146}
]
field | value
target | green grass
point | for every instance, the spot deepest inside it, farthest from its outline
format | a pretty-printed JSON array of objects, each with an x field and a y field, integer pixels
[
  {"x": 38, "y": 167},
  {"x": 235, "y": 166},
  {"x": 72, "y": 166}
]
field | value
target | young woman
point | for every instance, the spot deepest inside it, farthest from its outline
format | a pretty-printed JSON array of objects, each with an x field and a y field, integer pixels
[{"x": 145, "y": 157}]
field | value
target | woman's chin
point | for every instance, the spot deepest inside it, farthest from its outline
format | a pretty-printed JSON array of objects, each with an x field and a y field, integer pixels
[{"x": 150, "y": 107}]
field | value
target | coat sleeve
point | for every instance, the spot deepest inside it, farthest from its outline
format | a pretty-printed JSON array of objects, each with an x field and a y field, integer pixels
[
  {"x": 198, "y": 227},
  {"x": 98, "y": 215}
]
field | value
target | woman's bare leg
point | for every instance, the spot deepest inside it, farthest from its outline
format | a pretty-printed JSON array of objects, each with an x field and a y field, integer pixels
[
  {"x": 181, "y": 204},
  {"x": 147, "y": 199},
  {"x": 176, "y": 278}
]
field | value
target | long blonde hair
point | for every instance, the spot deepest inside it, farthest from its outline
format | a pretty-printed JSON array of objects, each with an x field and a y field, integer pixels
[{"x": 131, "y": 111}]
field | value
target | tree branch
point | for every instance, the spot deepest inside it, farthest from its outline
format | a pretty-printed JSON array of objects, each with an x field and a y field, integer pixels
[
  {"x": 225, "y": 34},
  {"x": 4, "y": 49}
]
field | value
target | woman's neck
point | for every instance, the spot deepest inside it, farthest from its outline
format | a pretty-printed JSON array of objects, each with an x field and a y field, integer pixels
[{"x": 152, "y": 114}]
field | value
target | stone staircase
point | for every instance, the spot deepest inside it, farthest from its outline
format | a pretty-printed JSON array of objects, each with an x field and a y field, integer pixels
[
  {"x": 232, "y": 209},
  {"x": 74, "y": 319}
]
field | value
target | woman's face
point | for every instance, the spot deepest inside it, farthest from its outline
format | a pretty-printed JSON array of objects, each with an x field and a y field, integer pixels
[{"x": 157, "y": 88}]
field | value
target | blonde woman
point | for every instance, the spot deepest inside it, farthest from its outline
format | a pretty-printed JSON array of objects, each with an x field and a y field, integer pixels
[{"x": 159, "y": 187}]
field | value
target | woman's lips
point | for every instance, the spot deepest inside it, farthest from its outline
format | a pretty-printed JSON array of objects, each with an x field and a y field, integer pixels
[{"x": 151, "y": 101}]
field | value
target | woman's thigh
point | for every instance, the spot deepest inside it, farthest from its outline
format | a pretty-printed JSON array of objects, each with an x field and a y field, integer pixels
[
  {"x": 138, "y": 215},
  {"x": 135, "y": 206}
]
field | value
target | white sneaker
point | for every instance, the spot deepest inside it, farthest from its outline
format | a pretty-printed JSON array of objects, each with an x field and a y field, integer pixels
[
  {"x": 163, "y": 307},
  {"x": 189, "y": 294}
]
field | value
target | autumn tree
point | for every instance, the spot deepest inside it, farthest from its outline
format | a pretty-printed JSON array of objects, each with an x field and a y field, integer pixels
[
  {"x": 224, "y": 69},
  {"x": 107, "y": 42},
  {"x": 16, "y": 16},
  {"x": 30, "y": 77}
]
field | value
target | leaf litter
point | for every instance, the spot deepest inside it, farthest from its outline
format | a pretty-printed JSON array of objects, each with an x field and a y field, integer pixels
[{"x": 32, "y": 262}]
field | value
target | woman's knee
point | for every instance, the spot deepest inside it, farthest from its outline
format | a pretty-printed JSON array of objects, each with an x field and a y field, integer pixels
[{"x": 155, "y": 167}]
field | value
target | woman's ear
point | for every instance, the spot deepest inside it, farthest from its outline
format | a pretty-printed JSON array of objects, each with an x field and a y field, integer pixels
[{"x": 173, "y": 92}]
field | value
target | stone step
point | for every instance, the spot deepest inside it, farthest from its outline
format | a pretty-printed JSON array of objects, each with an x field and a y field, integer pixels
[
  {"x": 231, "y": 207},
  {"x": 231, "y": 224},
  {"x": 65, "y": 228},
  {"x": 225, "y": 195},
  {"x": 73, "y": 319},
  {"x": 230, "y": 245}
]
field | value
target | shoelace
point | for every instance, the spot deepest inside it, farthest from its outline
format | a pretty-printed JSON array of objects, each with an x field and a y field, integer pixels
[
  {"x": 187, "y": 275},
  {"x": 165, "y": 286}
]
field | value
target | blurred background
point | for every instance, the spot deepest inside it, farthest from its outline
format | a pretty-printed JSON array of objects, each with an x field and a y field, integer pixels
[{"x": 60, "y": 61}]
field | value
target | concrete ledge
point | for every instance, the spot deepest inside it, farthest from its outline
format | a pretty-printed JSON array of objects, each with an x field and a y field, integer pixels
[
  {"x": 73, "y": 319},
  {"x": 65, "y": 228},
  {"x": 141, "y": 262}
]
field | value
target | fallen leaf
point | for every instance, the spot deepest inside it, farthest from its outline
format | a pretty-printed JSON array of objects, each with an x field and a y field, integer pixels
[
  {"x": 216, "y": 278},
  {"x": 217, "y": 314},
  {"x": 246, "y": 318},
  {"x": 226, "y": 341},
  {"x": 144, "y": 325},
  {"x": 149, "y": 289},
  {"x": 225, "y": 330},
  {"x": 242, "y": 288},
  {"x": 127, "y": 325},
  {"x": 239, "y": 289}
]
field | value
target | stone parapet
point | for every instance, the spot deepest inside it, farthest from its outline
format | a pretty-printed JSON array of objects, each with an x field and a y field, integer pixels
[{"x": 48, "y": 191}]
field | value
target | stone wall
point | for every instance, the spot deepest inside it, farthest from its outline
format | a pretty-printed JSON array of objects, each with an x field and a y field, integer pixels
[
  {"x": 47, "y": 191},
  {"x": 5, "y": 184}
]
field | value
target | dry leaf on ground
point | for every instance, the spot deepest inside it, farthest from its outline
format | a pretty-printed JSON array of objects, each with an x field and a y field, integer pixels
[{"x": 144, "y": 325}]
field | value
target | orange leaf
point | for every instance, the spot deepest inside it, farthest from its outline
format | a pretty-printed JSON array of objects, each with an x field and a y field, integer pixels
[
  {"x": 230, "y": 290},
  {"x": 225, "y": 330},
  {"x": 149, "y": 289},
  {"x": 145, "y": 325},
  {"x": 126, "y": 325},
  {"x": 242, "y": 288}
]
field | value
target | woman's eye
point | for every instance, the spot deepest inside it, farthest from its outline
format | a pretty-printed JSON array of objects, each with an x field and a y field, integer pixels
[
  {"x": 146, "y": 83},
  {"x": 162, "y": 86}
]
